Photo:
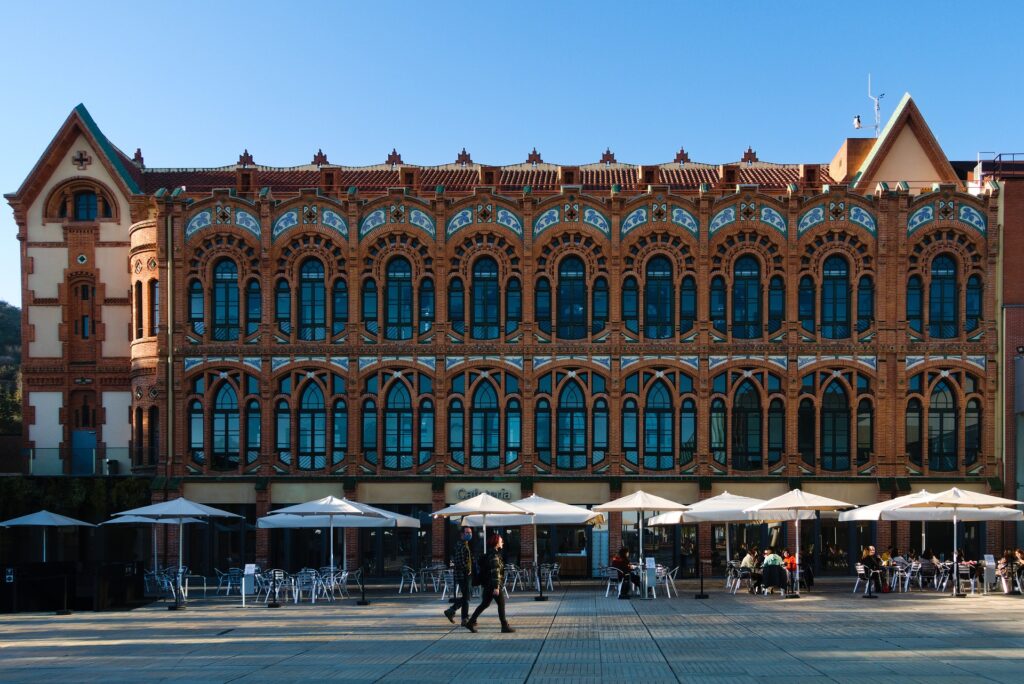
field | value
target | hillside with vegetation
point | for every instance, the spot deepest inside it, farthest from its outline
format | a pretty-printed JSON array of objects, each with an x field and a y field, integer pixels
[{"x": 10, "y": 369}]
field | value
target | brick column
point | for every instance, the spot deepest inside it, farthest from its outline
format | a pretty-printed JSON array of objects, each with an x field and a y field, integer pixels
[
  {"x": 437, "y": 550},
  {"x": 614, "y": 531},
  {"x": 352, "y": 547},
  {"x": 903, "y": 541},
  {"x": 262, "y": 535}
]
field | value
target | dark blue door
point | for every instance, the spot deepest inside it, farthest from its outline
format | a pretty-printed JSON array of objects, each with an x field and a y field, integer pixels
[{"x": 83, "y": 452}]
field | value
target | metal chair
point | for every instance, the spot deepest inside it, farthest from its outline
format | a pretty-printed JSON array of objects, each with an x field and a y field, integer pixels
[
  {"x": 614, "y": 578},
  {"x": 862, "y": 576},
  {"x": 408, "y": 577}
]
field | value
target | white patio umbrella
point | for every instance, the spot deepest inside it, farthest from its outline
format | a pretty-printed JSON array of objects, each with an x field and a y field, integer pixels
[
  {"x": 883, "y": 509},
  {"x": 330, "y": 507},
  {"x": 545, "y": 512},
  {"x": 178, "y": 509},
  {"x": 482, "y": 505},
  {"x": 797, "y": 500},
  {"x": 140, "y": 520},
  {"x": 955, "y": 500},
  {"x": 44, "y": 519}
]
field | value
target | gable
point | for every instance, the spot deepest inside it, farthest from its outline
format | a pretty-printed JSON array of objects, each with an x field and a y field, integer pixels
[{"x": 908, "y": 161}]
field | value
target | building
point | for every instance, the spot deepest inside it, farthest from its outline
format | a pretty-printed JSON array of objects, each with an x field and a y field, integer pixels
[{"x": 253, "y": 336}]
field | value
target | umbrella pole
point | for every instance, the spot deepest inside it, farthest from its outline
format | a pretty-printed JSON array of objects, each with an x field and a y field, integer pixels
[
  {"x": 178, "y": 605},
  {"x": 956, "y": 563},
  {"x": 44, "y": 544},
  {"x": 152, "y": 536},
  {"x": 536, "y": 565},
  {"x": 344, "y": 551},
  {"x": 330, "y": 540},
  {"x": 643, "y": 565},
  {"x": 796, "y": 593}
]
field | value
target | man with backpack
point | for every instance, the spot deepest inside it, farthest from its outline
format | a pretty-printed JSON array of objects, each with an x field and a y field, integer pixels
[
  {"x": 493, "y": 582},
  {"x": 462, "y": 560}
]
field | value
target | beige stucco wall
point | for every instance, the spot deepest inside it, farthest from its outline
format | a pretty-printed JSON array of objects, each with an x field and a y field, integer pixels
[
  {"x": 757, "y": 490},
  {"x": 860, "y": 493},
  {"x": 116, "y": 429},
  {"x": 577, "y": 493},
  {"x": 117, "y": 320},
  {"x": 48, "y": 264},
  {"x": 46, "y": 432},
  {"x": 680, "y": 492},
  {"x": 213, "y": 493},
  {"x": 907, "y": 161},
  {"x": 393, "y": 493},
  {"x": 112, "y": 263},
  {"x": 300, "y": 492},
  {"x": 45, "y": 320}
]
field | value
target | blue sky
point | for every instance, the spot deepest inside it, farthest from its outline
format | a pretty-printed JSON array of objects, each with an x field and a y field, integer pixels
[{"x": 193, "y": 83}]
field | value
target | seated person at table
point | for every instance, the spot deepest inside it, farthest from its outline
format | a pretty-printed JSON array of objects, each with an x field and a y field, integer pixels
[
  {"x": 772, "y": 570},
  {"x": 620, "y": 562},
  {"x": 748, "y": 567},
  {"x": 962, "y": 560},
  {"x": 873, "y": 565},
  {"x": 1004, "y": 568}
]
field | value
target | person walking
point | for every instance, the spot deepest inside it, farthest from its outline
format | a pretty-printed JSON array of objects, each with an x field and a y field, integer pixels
[
  {"x": 462, "y": 560},
  {"x": 494, "y": 581}
]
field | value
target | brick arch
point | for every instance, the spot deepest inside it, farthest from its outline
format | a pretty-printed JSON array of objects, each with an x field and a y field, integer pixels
[
  {"x": 483, "y": 211},
  {"x": 571, "y": 212},
  {"x": 571, "y": 241},
  {"x": 485, "y": 241},
  {"x": 650, "y": 241},
  {"x": 968, "y": 249},
  {"x": 228, "y": 242},
  {"x": 820, "y": 243},
  {"x": 728, "y": 245},
  {"x": 65, "y": 190},
  {"x": 391, "y": 242},
  {"x": 293, "y": 250}
]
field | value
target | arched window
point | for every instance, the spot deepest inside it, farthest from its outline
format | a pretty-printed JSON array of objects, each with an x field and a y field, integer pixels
[
  {"x": 659, "y": 420},
  {"x": 835, "y": 299},
  {"x": 426, "y": 294},
  {"x": 805, "y": 304},
  {"x": 835, "y": 427},
  {"x": 154, "y": 307},
  {"x": 485, "y": 433},
  {"x": 599, "y": 430},
  {"x": 942, "y": 428},
  {"x": 370, "y": 305},
  {"x": 716, "y": 430},
  {"x": 513, "y": 431},
  {"x": 370, "y": 431},
  {"x": 913, "y": 431},
  {"x": 600, "y": 317},
  {"x": 195, "y": 307},
  {"x": 253, "y": 431},
  {"x": 776, "y": 304},
  {"x": 942, "y": 298},
  {"x": 485, "y": 311},
  {"x": 283, "y": 432},
  {"x": 138, "y": 437},
  {"x": 865, "y": 431},
  {"x": 398, "y": 300},
  {"x": 253, "y": 307},
  {"x": 746, "y": 298},
  {"x": 805, "y": 431},
  {"x": 154, "y": 435},
  {"x": 339, "y": 440},
  {"x": 283, "y": 306},
  {"x": 776, "y": 431},
  {"x": 746, "y": 428},
  {"x": 195, "y": 431},
  {"x": 86, "y": 205},
  {"x": 972, "y": 432},
  {"x": 631, "y": 305},
  {"x": 865, "y": 303},
  {"x": 457, "y": 431},
  {"x": 972, "y": 304},
  {"x": 659, "y": 302},
  {"x": 542, "y": 305},
  {"x": 631, "y": 431},
  {"x": 426, "y": 422},
  {"x": 687, "y": 304},
  {"x": 687, "y": 431},
  {"x": 572, "y": 299},
  {"x": 513, "y": 305},
  {"x": 457, "y": 306},
  {"x": 312, "y": 301},
  {"x": 398, "y": 428},
  {"x": 339, "y": 306},
  {"x": 225, "y": 300},
  {"x": 571, "y": 428},
  {"x": 717, "y": 304},
  {"x": 225, "y": 429},
  {"x": 139, "y": 308},
  {"x": 542, "y": 431},
  {"x": 312, "y": 429},
  {"x": 914, "y": 303}
]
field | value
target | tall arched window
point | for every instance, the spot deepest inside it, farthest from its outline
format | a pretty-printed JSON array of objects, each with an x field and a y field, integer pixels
[
  {"x": 339, "y": 306},
  {"x": 572, "y": 299},
  {"x": 776, "y": 304},
  {"x": 659, "y": 302},
  {"x": 85, "y": 205},
  {"x": 571, "y": 428},
  {"x": 805, "y": 304},
  {"x": 600, "y": 317},
  {"x": 283, "y": 306},
  {"x": 865, "y": 431},
  {"x": 195, "y": 307},
  {"x": 225, "y": 429},
  {"x": 426, "y": 423},
  {"x": 398, "y": 428},
  {"x": 942, "y": 428},
  {"x": 687, "y": 304},
  {"x": 746, "y": 428},
  {"x": 225, "y": 300},
  {"x": 513, "y": 431},
  {"x": 542, "y": 305},
  {"x": 426, "y": 294},
  {"x": 542, "y": 431},
  {"x": 283, "y": 432},
  {"x": 154, "y": 307},
  {"x": 717, "y": 304},
  {"x": 457, "y": 431},
  {"x": 485, "y": 433},
  {"x": 370, "y": 431},
  {"x": 942, "y": 298},
  {"x": 312, "y": 301},
  {"x": 865, "y": 303},
  {"x": 339, "y": 440},
  {"x": 631, "y": 431},
  {"x": 972, "y": 432},
  {"x": 746, "y": 298},
  {"x": 805, "y": 431},
  {"x": 915, "y": 303},
  {"x": 776, "y": 431},
  {"x": 457, "y": 306},
  {"x": 485, "y": 311},
  {"x": 835, "y": 428},
  {"x": 513, "y": 305},
  {"x": 972, "y": 304},
  {"x": 398, "y": 300},
  {"x": 370, "y": 305},
  {"x": 835, "y": 299},
  {"x": 253, "y": 307},
  {"x": 599, "y": 430},
  {"x": 154, "y": 435},
  {"x": 912, "y": 431},
  {"x": 253, "y": 431},
  {"x": 137, "y": 439},
  {"x": 716, "y": 430},
  {"x": 659, "y": 435},
  {"x": 312, "y": 429},
  {"x": 139, "y": 308},
  {"x": 631, "y": 305},
  {"x": 195, "y": 431}
]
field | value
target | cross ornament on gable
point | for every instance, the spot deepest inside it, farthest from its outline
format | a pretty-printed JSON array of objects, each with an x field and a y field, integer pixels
[{"x": 81, "y": 160}]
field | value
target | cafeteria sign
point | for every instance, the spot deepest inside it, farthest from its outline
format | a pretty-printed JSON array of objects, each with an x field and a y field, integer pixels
[{"x": 454, "y": 492}]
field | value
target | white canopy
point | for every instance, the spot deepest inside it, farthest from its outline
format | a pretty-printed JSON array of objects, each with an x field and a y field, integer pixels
[
  {"x": 545, "y": 512},
  {"x": 179, "y": 508},
  {"x": 143, "y": 520},
  {"x": 956, "y": 498},
  {"x": 726, "y": 508},
  {"x": 44, "y": 519},
  {"x": 482, "y": 504},
  {"x": 877, "y": 511},
  {"x": 288, "y": 520},
  {"x": 640, "y": 501},
  {"x": 328, "y": 506}
]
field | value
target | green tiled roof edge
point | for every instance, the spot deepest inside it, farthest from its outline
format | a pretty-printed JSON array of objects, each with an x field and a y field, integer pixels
[{"x": 108, "y": 149}]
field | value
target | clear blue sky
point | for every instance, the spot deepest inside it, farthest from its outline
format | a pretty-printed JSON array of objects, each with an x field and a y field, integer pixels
[{"x": 193, "y": 83}]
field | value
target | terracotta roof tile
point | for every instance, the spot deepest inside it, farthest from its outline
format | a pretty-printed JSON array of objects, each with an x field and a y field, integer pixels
[
  {"x": 515, "y": 178},
  {"x": 451, "y": 179},
  {"x": 603, "y": 178},
  {"x": 688, "y": 176}
]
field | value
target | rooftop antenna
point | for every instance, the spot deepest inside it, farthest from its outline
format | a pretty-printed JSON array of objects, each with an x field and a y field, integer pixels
[{"x": 878, "y": 110}]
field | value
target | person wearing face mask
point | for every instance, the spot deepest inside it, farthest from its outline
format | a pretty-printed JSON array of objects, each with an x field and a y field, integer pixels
[
  {"x": 462, "y": 560},
  {"x": 494, "y": 580}
]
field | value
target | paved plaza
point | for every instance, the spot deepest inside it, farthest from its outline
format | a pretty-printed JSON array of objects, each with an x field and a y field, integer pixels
[{"x": 579, "y": 635}]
